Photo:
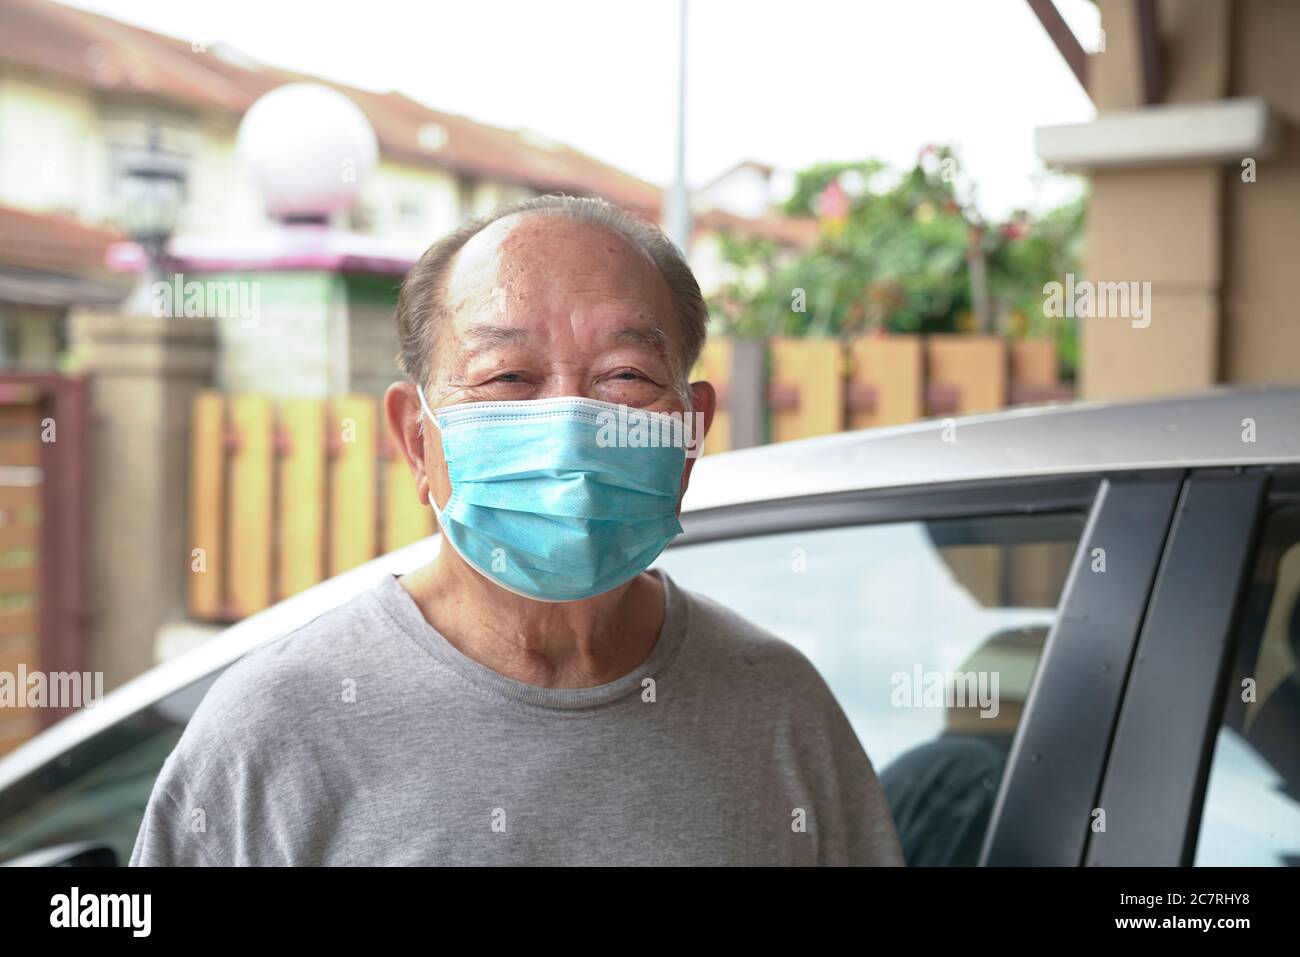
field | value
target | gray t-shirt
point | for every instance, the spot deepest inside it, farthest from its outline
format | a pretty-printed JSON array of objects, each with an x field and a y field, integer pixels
[{"x": 365, "y": 737}]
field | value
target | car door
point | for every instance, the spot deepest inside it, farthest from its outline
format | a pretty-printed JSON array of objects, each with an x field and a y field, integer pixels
[
  {"x": 84, "y": 807},
  {"x": 974, "y": 634},
  {"x": 1205, "y": 766}
]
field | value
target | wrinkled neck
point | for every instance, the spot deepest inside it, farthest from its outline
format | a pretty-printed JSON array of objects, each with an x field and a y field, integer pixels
[{"x": 552, "y": 644}]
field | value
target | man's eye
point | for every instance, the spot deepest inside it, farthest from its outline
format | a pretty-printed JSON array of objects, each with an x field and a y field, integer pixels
[
  {"x": 627, "y": 375},
  {"x": 508, "y": 377}
]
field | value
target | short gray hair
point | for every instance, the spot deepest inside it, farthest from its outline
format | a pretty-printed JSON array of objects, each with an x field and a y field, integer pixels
[{"x": 422, "y": 307}]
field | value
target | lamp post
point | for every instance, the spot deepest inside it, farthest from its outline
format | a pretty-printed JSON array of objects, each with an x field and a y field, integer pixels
[
  {"x": 678, "y": 214},
  {"x": 151, "y": 203}
]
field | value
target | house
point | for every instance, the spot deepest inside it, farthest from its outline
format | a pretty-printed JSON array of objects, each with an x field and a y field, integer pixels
[
  {"x": 82, "y": 94},
  {"x": 49, "y": 264},
  {"x": 1193, "y": 163}
]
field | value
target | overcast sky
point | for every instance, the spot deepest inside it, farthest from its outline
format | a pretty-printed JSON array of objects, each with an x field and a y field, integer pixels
[{"x": 788, "y": 82}]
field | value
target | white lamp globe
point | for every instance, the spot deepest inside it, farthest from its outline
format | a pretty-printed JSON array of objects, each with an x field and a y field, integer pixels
[{"x": 308, "y": 147}]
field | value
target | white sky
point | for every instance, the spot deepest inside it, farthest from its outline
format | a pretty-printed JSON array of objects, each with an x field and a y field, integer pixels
[{"x": 788, "y": 82}]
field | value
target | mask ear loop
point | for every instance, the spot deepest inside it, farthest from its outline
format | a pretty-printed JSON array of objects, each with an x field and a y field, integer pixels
[
  {"x": 438, "y": 512},
  {"x": 434, "y": 419}
]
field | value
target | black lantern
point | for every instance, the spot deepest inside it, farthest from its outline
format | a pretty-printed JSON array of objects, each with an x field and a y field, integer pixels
[{"x": 152, "y": 194}]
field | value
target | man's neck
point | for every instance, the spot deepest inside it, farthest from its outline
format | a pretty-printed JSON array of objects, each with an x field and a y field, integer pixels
[{"x": 577, "y": 644}]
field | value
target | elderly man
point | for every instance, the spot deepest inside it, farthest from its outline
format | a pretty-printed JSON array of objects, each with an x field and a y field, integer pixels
[{"x": 534, "y": 695}]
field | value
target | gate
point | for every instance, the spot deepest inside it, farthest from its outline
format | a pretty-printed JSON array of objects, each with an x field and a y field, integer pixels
[{"x": 42, "y": 537}]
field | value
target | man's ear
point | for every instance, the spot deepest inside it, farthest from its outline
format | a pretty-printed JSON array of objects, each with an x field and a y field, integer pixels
[
  {"x": 704, "y": 404},
  {"x": 406, "y": 425}
]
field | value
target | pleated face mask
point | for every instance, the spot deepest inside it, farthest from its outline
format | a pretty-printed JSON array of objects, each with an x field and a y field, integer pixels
[{"x": 559, "y": 499}]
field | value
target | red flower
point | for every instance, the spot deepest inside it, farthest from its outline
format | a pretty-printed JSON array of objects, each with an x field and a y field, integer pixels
[{"x": 834, "y": 202}]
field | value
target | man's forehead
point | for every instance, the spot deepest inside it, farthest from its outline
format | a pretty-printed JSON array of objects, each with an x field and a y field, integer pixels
[
  {"x": 486, "y": 335},
  {"x": 523, "y": 253}
]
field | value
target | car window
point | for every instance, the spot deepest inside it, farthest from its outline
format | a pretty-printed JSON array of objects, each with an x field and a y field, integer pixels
[
  {"x": 1251, "y": 811},
  {"x": 97, "y": 790},
  {"x": 928, "y": 633}
]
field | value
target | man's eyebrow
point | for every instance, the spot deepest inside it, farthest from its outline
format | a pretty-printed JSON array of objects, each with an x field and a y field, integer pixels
[
  {"x": 651, "y": 336},
  {"x": 484, "y": 337}
]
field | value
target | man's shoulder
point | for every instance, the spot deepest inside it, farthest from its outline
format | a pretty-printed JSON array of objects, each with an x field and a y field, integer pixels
[
  {"x": 300, "y": 669},
  {"x": 742, "y": 650}
]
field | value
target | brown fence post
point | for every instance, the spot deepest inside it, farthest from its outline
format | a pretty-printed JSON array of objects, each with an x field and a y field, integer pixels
[{"x": 748, "y": 393}]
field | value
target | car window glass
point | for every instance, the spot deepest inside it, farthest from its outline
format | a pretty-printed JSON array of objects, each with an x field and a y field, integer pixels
[
  {"x": 1251, "y": 811},
  {"x": 928, "y": 633},
  {"x": 97, "y": 790}
]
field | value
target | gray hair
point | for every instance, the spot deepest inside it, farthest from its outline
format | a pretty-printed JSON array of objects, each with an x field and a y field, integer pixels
[{"x": 422, "y": 307}]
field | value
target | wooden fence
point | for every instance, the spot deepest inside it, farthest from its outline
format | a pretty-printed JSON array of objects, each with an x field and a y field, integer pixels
[
  {"x": 785, "y": 389},
  {"x": 43, "y": 427},
  {"x": 287, "y": 492}
]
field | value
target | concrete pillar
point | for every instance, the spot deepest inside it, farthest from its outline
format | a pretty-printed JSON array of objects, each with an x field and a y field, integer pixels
[
  {"x": 1261, "y": 235},
  {"x": 1219, "y": 242},
  {"x": 143, "y": 373},
  {"x": 1161, "y": 225}
]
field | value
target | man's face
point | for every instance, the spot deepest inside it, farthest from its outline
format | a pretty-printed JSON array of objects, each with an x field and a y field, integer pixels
[
  {"x": 546, "y": 307},
  {"x": 542, "y": 307}
]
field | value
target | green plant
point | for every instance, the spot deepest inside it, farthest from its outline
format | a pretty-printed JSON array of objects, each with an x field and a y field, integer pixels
[{"x": 905, "y": 255}]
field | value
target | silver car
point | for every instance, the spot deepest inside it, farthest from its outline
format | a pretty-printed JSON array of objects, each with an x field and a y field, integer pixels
[{"x": 1065, "y": 635}]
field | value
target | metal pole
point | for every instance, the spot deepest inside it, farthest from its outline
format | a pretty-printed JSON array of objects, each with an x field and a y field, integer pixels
[{"x": 677, "y": 219}]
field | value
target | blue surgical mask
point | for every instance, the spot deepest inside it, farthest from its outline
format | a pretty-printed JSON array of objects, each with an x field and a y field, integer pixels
[{"x": 559, "y": 499}]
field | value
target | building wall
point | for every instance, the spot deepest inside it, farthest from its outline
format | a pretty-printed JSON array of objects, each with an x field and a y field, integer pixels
[
  {"x": 49, "y": 151},
  {"x": 1261, "y": 237},
  {"x": 487, "y": 195},
  {"x": 31, "y": 338},
  {"x": 372, "y": 343},
  {"x": 296, "y": 341},
  {"x": 1219, "y": 252},
  {"x": 744, "y": 191},
  {"x": 706, "y": 262},
  {"x": 223, "y": 199},
  {"x": 410, "y": 203}
]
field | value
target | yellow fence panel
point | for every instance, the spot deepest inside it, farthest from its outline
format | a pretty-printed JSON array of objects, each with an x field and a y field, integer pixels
[
  {"x": 967, "y": 373},
  {"x": 250, "y": 526},
  {"x": 301, "y": 495},
  {"x": 808, "y": 385},
  {"x": 353, "y": 482},
  {"x": 406, "y": 518},
  {"x": 207, "y": 549},
  {"x": 887, "y": 382},
  {"x": 1034, "y": 363},
  {"x": 714, "y": 366}
]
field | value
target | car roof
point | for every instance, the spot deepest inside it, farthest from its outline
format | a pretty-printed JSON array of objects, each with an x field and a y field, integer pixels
[
  {"x": 1207, "y": 429},
  {"x": 1201, "y": 430}
]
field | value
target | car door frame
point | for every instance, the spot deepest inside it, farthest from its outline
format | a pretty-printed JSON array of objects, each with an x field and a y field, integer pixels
[
  {"x": 1154, "y": 785},
  {"x": 1127, "y": 511}
]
